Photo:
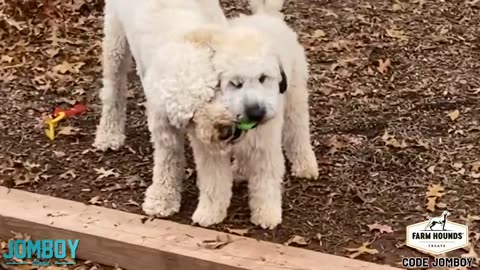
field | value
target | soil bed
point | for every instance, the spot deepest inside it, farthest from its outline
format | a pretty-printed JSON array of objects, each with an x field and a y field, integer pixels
[{"x": 394, "y": 110}]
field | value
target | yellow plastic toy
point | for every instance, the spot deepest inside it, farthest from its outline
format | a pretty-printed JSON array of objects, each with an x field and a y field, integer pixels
[{"x": 52, "y": 123}]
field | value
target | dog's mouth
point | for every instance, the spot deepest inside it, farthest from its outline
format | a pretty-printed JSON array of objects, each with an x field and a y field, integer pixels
[{"x": 231, "y": 134}]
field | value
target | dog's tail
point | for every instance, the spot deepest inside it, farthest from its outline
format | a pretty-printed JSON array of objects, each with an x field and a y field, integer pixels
[{"x": 271, "y": 7}]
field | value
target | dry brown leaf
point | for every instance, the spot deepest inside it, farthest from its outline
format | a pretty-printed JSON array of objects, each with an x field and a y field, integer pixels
[
  {"x": 454, "y": 115},
  {"x": 335, "y": 145},
  {"x": 95, "y": 200},
  {"x": 435, "y": 191},
  {"x": 318, "y": 34},
  {"x": 398, "y": 34},
  {"x": 431, "y": 202},
  {"x": 383, "y": 66},
  {"x": 380, "y": 227},
  {"x": 59, "y": 154},
  {"x": 391, "y": 141},
  {"x": 22, "y": 179},
  {"x": 67, "y": 174},
  {"x": 361, "y": 250},
  {"x": 6, "y": 58},
  {"x": 296, "y": 239},
  {"x": 68, "y": 130},
  {"x": 65, "y": 67},
  {"x": 474, "y": 166},
  {"x": 106, "y": 173}
]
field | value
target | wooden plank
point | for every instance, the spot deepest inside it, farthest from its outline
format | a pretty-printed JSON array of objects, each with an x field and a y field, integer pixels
[{"x": 114, "y": 237}]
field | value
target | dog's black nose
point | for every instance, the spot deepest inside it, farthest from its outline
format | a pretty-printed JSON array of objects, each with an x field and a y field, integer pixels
[{"x": 255, "y": 112}]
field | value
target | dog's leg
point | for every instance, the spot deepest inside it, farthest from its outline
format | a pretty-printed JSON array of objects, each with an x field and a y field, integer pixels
[
  {"x": 214, "y": 181},
  {"x": 296, "y": 130},
  {"x": 263, "y": 157},
  {"x": 116, "y": 63},
  {"x": 163, "y": 196}
]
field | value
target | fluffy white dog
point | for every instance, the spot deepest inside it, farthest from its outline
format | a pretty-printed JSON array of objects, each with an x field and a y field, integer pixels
[{"x": 199, "y": 78}]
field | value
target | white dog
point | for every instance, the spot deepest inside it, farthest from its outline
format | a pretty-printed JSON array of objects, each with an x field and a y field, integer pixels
[{"x": 184, "y": 63}]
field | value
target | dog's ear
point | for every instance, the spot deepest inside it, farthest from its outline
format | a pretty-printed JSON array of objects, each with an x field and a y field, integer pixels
[
  {"x": 204, "y": 37},
  {"x": 283, "y": 85}
]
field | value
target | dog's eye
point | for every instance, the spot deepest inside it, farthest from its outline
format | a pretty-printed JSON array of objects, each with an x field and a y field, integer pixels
[
  {"x": 237, "y": 85},
  {"x": 262, "y": 78}
]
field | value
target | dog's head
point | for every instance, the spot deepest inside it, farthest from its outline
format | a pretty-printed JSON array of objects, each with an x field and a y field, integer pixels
[
  {"x": 445, "y": 213},
  {"x": 214, "y": 126},
  {"x": 251, "y": 79}
]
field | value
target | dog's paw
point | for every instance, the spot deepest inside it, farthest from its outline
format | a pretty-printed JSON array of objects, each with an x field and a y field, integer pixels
[
  {"x": 267, "y": 217},
  {"x": 308, "y": 172},
  {"x": 107, "y": 139},
  {"x": 161, "y": 203},
  {"x": 208, "y": 214},
  {"x": 307, "y": 168}
]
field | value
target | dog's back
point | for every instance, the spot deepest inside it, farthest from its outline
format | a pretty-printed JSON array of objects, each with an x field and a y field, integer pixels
[{"x": 150, "y": 23}]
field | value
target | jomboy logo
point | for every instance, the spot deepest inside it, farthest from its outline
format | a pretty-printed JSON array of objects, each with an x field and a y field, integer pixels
[
  {"x": 19, "y": 251},
  {"x": 437, "y": 235}
]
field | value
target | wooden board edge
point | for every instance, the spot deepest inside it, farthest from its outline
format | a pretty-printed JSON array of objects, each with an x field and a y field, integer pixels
[{"x": 114, "y": 237}]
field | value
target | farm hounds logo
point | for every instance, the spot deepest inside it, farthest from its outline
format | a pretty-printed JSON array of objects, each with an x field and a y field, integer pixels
[
  {"x": 40, "y": 252},
  {"x": 438, "y": 235}
]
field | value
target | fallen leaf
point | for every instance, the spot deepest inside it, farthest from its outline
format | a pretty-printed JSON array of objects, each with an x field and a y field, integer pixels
[
  {"x": 6, "y": 58},
  {"x": 391, "y": 141},
  {"x": 475, "y": 175},
  {"x": 296, "y": 239},
  {"x": 335, "y": 145},
  {"x": 67, "y": 174},
  {"x": 454, "y": 115},
  {"x": 398, "y": 34},
  {"x": 132, "y": 202},
  {"x": 95, "y": 200},
  {"x": 431, "y": 202},
  {"x": 106, "y": 173},
  {"x": 431, "y": 169},
  {"x": 381, "y": 228},
  {"x": 65, "y": 67},
  {"x": 240, "y": 232},
  {"x": 132, "y": 179},
  {"x": 318, "y": 34},
  {"x": 22, "y": 179},
  {"x": 474, "y": 166},
  {"x": 361, "y": 250},
  {"x": 59, "y": 154},
  {"x": 383, "y": 66},
  {"x": 68, "y": 130},
  {"x": 441, "y": 205},
  {"x": 396, "y": 7},
  {"x": 117, "y": 186},
  {"x": 435, "y": 191}
]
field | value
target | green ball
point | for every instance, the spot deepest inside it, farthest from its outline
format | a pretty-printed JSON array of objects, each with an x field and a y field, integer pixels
[{"x": 246, "y": 125}]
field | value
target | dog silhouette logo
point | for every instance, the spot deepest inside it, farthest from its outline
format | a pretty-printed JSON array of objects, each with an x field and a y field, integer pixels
[
  {"x": 437, "y": 235},
  {"x": 441, "y": 220}
]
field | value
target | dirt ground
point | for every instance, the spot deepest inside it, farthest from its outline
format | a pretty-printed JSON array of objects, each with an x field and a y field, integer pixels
[{"x": 395, "y": 113}]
